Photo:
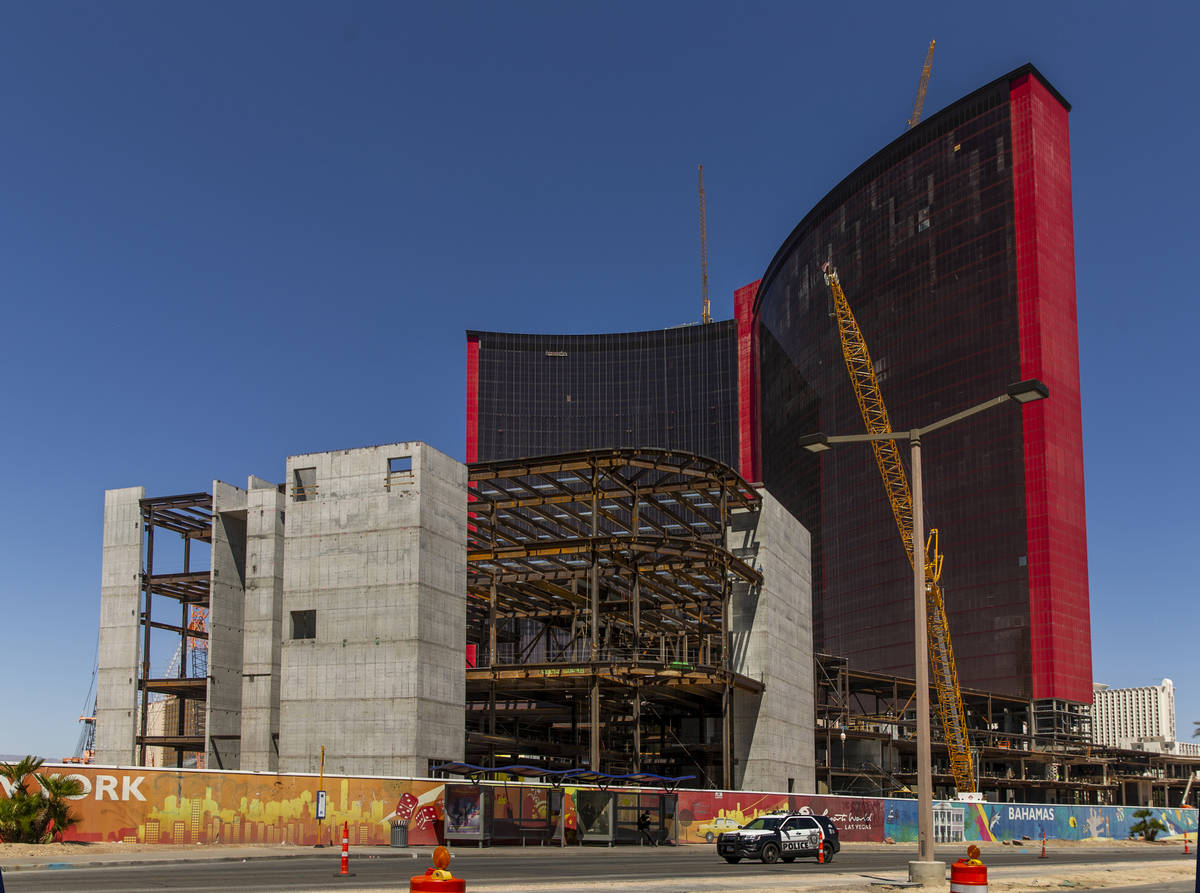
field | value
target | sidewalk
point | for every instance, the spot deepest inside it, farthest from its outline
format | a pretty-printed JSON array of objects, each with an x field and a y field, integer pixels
[{"x": 468, "y": 863}]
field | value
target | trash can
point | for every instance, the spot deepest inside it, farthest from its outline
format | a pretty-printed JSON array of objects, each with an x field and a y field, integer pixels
[{"x": 399, "y": 835}]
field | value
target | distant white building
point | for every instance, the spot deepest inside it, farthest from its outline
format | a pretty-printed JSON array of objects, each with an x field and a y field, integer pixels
[{"x": 1126, "y": 717}]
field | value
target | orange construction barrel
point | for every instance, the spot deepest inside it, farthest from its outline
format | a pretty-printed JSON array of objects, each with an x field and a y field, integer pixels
[
  {"x": 968, "y": 876},
  {"x": 437, "y": 879}
]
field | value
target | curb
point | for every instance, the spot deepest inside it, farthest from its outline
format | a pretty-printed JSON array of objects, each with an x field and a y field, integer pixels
[{"x": 397, "y": 853}]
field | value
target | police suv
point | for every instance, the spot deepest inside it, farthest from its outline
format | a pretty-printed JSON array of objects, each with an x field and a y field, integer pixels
[{"x": 778, "y": 836}]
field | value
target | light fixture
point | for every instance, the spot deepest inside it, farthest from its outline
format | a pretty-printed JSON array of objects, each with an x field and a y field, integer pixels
[
  {"x": 816, "y": 443},
  {"x": 1028, "y": 390}
]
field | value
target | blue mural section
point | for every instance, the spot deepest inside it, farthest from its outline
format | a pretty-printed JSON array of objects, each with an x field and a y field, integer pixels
[{"x": 1014, "y": 821}]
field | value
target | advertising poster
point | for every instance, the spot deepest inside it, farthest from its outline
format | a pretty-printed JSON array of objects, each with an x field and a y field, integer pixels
[
  {"x": 595, "y": 812},
  {"x": 464, "y": 811}
]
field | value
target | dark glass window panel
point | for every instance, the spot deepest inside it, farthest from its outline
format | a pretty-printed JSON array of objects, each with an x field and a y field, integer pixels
[
  {"x": 672, "y": 389},
  {"x": 923, "y": 240}
]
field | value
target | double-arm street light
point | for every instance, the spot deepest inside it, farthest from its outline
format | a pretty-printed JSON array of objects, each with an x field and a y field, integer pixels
[{"x": 1022, "y": 392}]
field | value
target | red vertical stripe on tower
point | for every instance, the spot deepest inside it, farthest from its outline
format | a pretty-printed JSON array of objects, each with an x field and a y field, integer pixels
[
  {"x": 472, "y": 454},
  {"x": 747, "y": 353},
  {"x": 1060, "y": 618}
]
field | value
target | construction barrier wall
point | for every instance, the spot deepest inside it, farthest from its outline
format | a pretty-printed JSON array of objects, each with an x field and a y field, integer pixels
[{"x": 174, "y": 806}]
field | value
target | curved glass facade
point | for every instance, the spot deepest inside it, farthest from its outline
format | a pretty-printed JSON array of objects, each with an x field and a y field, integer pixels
[{"x": 930, "y": 239}]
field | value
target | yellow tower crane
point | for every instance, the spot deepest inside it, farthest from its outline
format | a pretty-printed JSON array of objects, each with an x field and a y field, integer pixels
[
  {"x": 895, "y": 482},
  {"x": 919, "y": 103}
]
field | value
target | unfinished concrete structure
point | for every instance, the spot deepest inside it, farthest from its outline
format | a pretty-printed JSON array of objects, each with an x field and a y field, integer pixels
[
  {"x": 331, "y": 614},
  {"x": 374, "y": 588},
  {"x": 638, "y": 611},
  {"x": 120, "y": 592},
  {"x": 138, "y": 602}
]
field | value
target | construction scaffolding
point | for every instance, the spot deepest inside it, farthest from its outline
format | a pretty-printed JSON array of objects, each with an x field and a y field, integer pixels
[
  {"x": 172, "y": 705},
  {"x": 598, "y": 597},
  {"x": 1023, "y": 751}
]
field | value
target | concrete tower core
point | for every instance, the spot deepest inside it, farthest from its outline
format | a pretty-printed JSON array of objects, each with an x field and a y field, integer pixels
[{"x": 374, "y": 611}]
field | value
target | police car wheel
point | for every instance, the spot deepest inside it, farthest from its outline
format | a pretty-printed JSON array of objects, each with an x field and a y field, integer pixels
[
  {"x": 733, "y": 860},
  {"x": 829, "y": 852},
  {"x": 770, "y": 853}
]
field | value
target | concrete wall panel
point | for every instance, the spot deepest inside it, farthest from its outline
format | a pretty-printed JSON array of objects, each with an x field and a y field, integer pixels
[
  {"x": 120, "y": 600},
  {"x": 223, "y": 722},
  {"x": 771, "y": 630}
]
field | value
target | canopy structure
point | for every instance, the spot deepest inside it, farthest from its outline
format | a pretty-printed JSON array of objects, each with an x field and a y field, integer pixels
[{"x": 560, "y": 776}]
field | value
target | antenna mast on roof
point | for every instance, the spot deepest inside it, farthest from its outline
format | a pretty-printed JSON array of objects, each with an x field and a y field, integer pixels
[
  {"x": 920, "y": 100},
  {"x": 705, "y": 315}
]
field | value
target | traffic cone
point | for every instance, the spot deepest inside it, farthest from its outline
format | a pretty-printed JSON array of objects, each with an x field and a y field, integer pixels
[
  {"x": 1043, "y": 855},
  {"x": 345, "y": 872},
  {"x": 1186, "y": 851},
  {"x": 820, "y": 845}
]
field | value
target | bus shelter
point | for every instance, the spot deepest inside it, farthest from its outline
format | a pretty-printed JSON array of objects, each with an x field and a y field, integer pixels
[
  {"x": 504, "y": 810},
  {"x": 494, "y": 806},
  {"x": 611, "y": 815}
]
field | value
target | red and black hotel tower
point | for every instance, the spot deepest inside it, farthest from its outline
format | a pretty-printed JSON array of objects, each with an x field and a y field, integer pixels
[{"x": 955, "y": 247}]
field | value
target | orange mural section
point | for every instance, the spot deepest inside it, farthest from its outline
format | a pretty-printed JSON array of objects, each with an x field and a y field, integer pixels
[{"x": 182, "y": 806}]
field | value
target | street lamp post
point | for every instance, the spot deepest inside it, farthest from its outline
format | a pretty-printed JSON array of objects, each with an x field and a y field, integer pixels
[{"x": 925, "y": 868}]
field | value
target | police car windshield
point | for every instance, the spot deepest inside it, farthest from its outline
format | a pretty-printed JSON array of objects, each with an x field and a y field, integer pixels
[{"x": 764, "y": 823}]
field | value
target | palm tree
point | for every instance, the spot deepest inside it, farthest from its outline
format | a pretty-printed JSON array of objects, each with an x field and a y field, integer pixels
[
  {"x": 57, "y": 791},
  {"x": 35, "y": 816}
]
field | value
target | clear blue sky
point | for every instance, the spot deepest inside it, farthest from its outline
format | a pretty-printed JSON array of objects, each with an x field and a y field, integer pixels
[{"x": 198, "y": 198}]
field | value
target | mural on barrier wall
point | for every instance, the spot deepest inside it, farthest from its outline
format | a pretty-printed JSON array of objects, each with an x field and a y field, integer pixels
[
  {"x": 1016, "y": 821},
  {"x": 705, "y": 814},
  {"x": 180, "y": 806},
  {"x": 166, "y": 806}
]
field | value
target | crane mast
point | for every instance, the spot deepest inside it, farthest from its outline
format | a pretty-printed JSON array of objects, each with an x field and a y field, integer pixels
[
  {"x": 895, "y": 483},
  {"x": 919, "y": 102},
  {"x": 705, "y": 314}
]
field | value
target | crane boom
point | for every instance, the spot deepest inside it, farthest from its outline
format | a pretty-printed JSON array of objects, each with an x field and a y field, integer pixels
[
  {"x": 705, "y": 315},
  {"x": 895, "y": 483},
  {"x": 919, "y": 103}
]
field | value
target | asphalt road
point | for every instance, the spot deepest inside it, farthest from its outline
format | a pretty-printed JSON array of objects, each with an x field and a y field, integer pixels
[{"x": 390, "y": 870}]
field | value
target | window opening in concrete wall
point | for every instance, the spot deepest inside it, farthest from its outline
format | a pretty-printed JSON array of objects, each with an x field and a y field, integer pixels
[
  {"x": 400, "y": 471},
  {"x": 304, "y": 624},
  {"x": 304, "y": 484}
]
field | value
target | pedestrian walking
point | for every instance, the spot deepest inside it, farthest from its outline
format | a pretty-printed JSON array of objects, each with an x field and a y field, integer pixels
[{"x": 644, "y": 828}]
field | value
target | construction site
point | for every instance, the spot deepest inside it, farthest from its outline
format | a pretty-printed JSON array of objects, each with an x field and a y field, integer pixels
[
  {"x": 654, "y": 561},
  {"x": 630, "y": 592}
]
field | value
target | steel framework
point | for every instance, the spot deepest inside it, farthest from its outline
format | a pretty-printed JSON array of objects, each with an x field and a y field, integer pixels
[
  {"x": 598, "y": 594},
  {"x": 186, "y": 689}
]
